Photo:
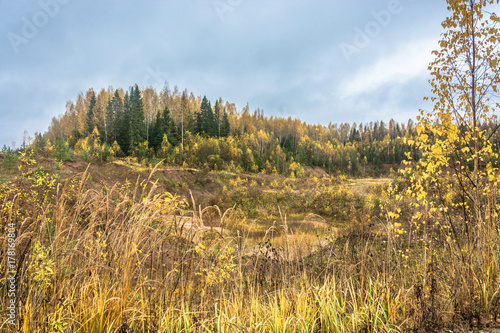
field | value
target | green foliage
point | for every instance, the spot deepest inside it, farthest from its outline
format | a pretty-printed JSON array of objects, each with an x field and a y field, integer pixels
[
  {"x": 123, "y": 126},
  {"x": 137, "y": 128},
  {"x": 218, "y": 115},
  {"x": 40, "y": 144},
  {"x": 225, "y": 128},
  {"x": 90, "y": 124},
  {"x": 206, "y": 124},
  {"x": 61, "y": 150},
  {"x": 114, "y": 118},
  {"x": 85, "y": 156},
  {"x": 153, "y": 161},
  {"x": 163, "y": 126},
  {"x": 142, "y": 151},
  {"x": 103, "y": 152},
  {"x": 9, "y": 158},
  {"x": 270, "y": 142},
  {"x": 171, "y": 183},
  {"x": 58, "y": 165}
]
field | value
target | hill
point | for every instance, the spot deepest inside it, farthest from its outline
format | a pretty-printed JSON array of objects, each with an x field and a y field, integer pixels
[
  {"x": 258, "y": 196},
  {"x": 185, "y": 130}
]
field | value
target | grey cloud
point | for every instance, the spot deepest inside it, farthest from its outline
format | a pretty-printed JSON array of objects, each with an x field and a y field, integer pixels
[{"x": 280, "y": 56}]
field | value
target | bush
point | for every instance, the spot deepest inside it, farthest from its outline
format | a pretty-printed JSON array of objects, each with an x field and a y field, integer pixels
[
  {"x": 9, "y": 158},
  {"x": 84, "y": 155},
  {"x": 340, "y": 203},
  {"x": 104, "y": 152},
  {"x": 61, "y": 150},
  {"x": 40, "y": 145},
  {"x": 142, "y": 151}
]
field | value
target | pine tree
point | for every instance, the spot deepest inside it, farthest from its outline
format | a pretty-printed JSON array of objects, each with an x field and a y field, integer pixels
[
  {"x": 163, "y": 125},
  {"x": 154, "y": 132},
  {"x": 61, "y": 151},
  {"x": 217, "y": 117},
  {"x": 205, "y": 120},
  {"x": 40, "y": 144},
  {"x": 123, "y": 126},
  {"x": 184, "y": 114},
  {"x": 167, "y": 121},
  {"x": 224, "y": 126},
  {"x": 114, "y": 116},
  {"x": 90, "y": 115},
  {"x": 137, "y": 130},
  {"x": 199, "y": 123},
  {"x": 108, "y": 119}
]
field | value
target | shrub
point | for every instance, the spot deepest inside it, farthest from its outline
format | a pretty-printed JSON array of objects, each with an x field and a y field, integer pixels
[
  {"x": 40, "y": 145},
  {"x": 9, "y": 158},
  {"x": 85, "y": 156},
  {"x": 61, "y": 150},
  {"x": 104, "y": 152}
]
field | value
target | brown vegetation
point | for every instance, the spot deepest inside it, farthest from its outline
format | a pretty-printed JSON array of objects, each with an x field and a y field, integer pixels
[{"x": 97, "y": 256}]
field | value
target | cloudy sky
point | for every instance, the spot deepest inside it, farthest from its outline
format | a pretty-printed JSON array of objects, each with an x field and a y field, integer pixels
[{"x": 320, "y": 61}]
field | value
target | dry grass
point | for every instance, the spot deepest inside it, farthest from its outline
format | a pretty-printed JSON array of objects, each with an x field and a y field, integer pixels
[{"x": 121, "y": 260}]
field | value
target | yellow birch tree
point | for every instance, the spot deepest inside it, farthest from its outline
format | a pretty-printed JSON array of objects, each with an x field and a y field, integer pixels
[{"x": 455, "y": 182}]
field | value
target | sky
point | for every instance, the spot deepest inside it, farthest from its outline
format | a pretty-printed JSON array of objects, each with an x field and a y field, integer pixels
[{"x": 320, "y": 61}]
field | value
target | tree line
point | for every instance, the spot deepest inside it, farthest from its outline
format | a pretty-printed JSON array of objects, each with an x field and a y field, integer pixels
[{"x": 181, "y": 128}]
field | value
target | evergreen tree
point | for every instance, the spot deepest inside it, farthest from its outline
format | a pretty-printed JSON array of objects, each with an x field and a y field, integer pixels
[
  {"x": 137, "y": 129},
  {"x": 168, "y": 122},
  {"x": 9, "y": 158},
  {"x": 90, "y": 115},
  {"x": 217, "y": 117},
  {"x": 211, "y": 127},
  {"x": 246, "y": 159},
  {"x": 123, "y": 126},
  {"x": 114, "y": 117},
  {"x": 107, "y": 121},
  {"x": 199, "y": 123},
  {"x": 154, "y": 132},
  {"x": 40, "y": 144},
  {"x": 164, "y": 125},
  {"x": 61, "y": 151},
  {"x": 224, "y": 126},
  {"x": 182, "y": 126},
  {"x": 205, "y": 120}
]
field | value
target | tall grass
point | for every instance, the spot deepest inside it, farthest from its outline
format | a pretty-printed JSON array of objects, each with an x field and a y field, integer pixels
[{"x": 124, "y": 260}]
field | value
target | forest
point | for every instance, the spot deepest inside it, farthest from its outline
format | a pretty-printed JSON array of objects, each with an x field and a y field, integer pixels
[
  {"x": 186, "y": 130},
  {"x": 179, "y": 128}
]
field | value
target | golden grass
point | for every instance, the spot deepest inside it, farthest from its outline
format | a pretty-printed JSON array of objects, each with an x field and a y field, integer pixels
[{"x": 120, "y": 261}]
